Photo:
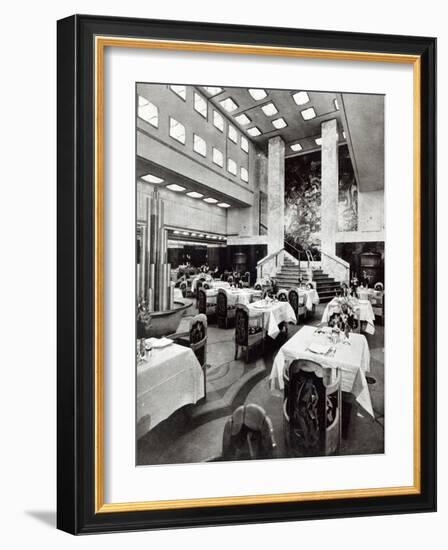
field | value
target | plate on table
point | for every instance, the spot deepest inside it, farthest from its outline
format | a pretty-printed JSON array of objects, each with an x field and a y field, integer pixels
[{"x": 157, "y": 343}]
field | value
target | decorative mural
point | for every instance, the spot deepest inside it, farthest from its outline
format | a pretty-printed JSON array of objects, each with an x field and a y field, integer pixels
[{"x": 303, "y": 198}]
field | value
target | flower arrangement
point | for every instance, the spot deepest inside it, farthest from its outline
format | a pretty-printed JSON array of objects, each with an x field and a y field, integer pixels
[{"x": 344, "y": 318}]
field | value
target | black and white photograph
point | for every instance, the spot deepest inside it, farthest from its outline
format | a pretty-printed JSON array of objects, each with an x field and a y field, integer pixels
[{"x": 260, "y": 260}]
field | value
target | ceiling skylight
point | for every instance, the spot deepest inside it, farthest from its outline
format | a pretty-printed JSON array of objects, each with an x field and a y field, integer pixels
[
  {"x": 243, "y": 119},
  {"x": 257, "y": 93},
  {"x": 195, "y": 195},
  {"x": 279, "y": 123},
  {"x": 228, "y": 104},
  {"x": 308, "y": 114},
  {"x": 210, "y": 200},
  {"x": 223, "y": 205},
  {"x": 296, "y": 147},
  {"x": 269, "y": 109},
  {"x": 213, "y": 90},
  {"x": 254, "y": 132},
  {"x": 175, "y": 187},
  {"x": 181, "y": 91},
  {"x": 152, "y": 179},
  {"x": 318, "y": 141},
  {"x": 336, "y": 104},
  {"x": 343, "y": 133},
  {"x": 301, "y": 98}
]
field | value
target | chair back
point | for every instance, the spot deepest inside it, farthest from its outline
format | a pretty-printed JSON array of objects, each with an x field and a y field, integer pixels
[
  {"x": 241, "y": 325},
  {"x": 230, "y": 279},
  {"x": 206, "y": 285},
  {"x": 379, "y": 287},
  {"x": 202, "y": 301},
  {"x": 221, "y": 303},
  {"x": 198, "y": 337},
  {"x": 248, "y": 434},
  {"x": 312, "y": 406}
]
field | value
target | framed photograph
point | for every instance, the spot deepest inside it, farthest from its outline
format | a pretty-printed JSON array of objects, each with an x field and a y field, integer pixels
[{"x": 246, "y": 274}]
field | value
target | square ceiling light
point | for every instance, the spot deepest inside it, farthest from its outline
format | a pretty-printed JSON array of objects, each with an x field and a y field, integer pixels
[
  {"x": 175, "y": 187},
  {"x": 228, "y": 104},
  {"x": 152, "y": 179},
  {"x": 257, "y": 93},
  {"x": 254, "y": 132},
  {"x": 279, "y": 123},
  {"x": 269, "y": 109},
  {"x": 301, "y": 98},
  {"x": 243, "y": 119},
  {"x": 213, "y": 90},
  {"x": 296, "y": 147},
  {"x": 210, "y": 200},
  {"x": 308, "y": 114},
  {"x": 195, "y": 195}
]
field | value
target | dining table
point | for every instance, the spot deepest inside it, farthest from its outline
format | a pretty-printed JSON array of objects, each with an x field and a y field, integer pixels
[
  {"x": 351, "y": 355},
  {"x": 168, "y": 378},
  {"x": 274, "y": 312},
  {"x": 234, "y": 295},
  {"x": 362, "y": 309},
  {"x": 311, "y": 297}
]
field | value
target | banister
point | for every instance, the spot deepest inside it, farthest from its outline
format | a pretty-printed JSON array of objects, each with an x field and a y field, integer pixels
[
  {"x": 335, "y": 259},
  {"x": 269, "y": 257}
]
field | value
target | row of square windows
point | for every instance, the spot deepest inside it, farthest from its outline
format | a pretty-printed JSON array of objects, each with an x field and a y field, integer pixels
[{"x": 150, "y": 113}]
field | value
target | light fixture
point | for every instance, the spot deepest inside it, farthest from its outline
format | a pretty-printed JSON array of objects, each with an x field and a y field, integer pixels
[
  {"x": 228, "y": 104},
  {"x": 257, "y": 93},
  {"x": 201, "y": 235},
  {"x": 223, "y": 205},
  {"x": 308, "y": 114},
  {"x": 175, "y": 187},
  {"x": 279, "y": 123},
  {"x": 210, "y": 200},
  {"x": 176, "y": 232},
  {"x": 343, "y": 133},
  {"x": 318, "y": 141},
  {"x": 195, "y": 195},
  {"x": 152, "y": 179},
  {"x": 213, "y": 90},
  {"x": 254, "y": 131},
  {"x": 243, "y": 119},
  {"x": 336, "y": 104},
  {"x": 142, "y": 101},
  {"x": 193, "y": 235},
  {"x": 185, "y": 233},
  {"x": 269, "y": 109},
  {"x": 296, "y": 147},
  {"x": 301, "y": 98}
]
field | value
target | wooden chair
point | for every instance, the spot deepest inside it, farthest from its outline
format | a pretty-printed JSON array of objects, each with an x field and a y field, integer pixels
[
  {"x": 297, "y": 302},
  {"x": 248, "y": 330},
  {"x": 225, "y": 311},
  {"x": 205, "y": 307},
  {"x": 312, "y": 408},
  {"x": 248, "y": 434}
]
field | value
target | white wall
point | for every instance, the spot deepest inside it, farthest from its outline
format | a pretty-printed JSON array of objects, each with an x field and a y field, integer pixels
[
  {"x": 370, "y": 219},
  {"x": 28, "y": 244}
]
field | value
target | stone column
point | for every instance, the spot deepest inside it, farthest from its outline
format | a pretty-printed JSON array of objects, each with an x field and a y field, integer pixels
[
  {"x": 330, "y": 186},
  {"x": 276, "y": 194}
]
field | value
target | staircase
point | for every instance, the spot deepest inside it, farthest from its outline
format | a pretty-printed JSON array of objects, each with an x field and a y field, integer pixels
[{"x": 288, "y": 277}]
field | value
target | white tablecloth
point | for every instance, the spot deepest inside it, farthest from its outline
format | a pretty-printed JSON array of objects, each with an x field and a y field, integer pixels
[
  {"x": 363, "y": 310},
  {"x": 273, "y": 315},
  {"x": 218, "y": 284},
  {"x": 194, "y": 282},
  {"x": 178, "y": 294},
  {"x": 234, "y": 296},
  {"x": 353, "y": 359},
  {"x": 171, "y": 378},
  {"x": 311, "y": 297}
]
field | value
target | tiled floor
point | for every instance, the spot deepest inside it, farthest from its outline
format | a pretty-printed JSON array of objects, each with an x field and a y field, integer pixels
[{"x": 194, "y": 434}]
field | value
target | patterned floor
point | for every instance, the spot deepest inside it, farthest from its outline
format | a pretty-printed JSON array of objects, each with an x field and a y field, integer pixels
[{"x": 194, "y": 434}]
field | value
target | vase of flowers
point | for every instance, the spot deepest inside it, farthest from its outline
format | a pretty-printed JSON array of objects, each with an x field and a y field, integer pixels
[{"x": 344, "y": 318}]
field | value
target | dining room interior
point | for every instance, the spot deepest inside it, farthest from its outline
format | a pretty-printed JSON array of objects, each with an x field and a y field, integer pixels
[{"x": 260, "y": 273}]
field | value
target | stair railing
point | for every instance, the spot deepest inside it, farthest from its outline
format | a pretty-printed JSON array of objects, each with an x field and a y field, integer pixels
[{"x": 270, "y": 264}]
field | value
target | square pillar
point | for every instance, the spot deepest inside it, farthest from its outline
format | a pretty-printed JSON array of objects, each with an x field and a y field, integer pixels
[
  {"x": 276, "y": 194},
  {"x": 330, "y": 186}
]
